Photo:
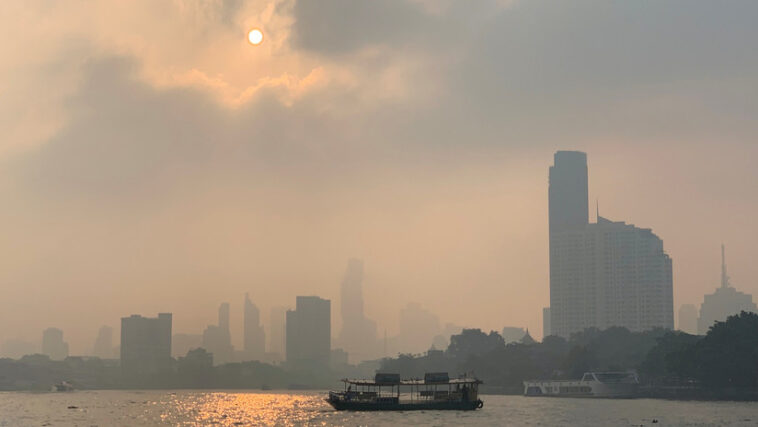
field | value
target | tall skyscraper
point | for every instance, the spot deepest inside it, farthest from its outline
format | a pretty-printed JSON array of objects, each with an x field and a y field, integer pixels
[
  {"x": 53, "y": 344},
  {"x": 103, "y": 347},
  {"x": 358, "y": 335},
  {"x": 254, "y": 342},
  {"x": 688, "y": 319},
  {"x": 145, "y": 344},
  {"x": 601, "y": 274},
  {"x": 568, "y": 200},
  {"x": 309, "y": 333},
  {"x": 217, "y": 339},
  {"x": 725, "y": 302}
]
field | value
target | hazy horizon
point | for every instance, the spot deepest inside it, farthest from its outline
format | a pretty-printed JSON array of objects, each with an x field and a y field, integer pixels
[{"x": 153, "y": 160}]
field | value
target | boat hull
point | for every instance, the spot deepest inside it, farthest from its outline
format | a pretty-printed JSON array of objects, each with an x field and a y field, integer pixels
[{"x": 342, "y": 405}]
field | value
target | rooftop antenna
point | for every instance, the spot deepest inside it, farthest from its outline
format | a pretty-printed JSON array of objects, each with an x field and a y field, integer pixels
[{"x": 724, "y": 276}]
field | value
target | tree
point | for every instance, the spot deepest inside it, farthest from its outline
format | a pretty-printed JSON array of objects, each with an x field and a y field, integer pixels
[
  {"x": 728, "y": 355},
  {"x": 473, "y": 342}
]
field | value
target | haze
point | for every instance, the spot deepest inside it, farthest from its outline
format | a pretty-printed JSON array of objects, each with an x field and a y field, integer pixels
[{"x": 152, "y": 159}]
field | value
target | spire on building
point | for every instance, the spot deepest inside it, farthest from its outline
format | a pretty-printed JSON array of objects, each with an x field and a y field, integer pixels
[{"x": 724, "y": 276}]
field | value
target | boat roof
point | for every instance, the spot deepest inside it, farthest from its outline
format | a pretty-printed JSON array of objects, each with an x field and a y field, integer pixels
[{"x": 414, "y": 381}]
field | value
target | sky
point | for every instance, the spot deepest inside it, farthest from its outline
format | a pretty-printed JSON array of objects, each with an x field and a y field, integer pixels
[{"x": 153, "y": 160}]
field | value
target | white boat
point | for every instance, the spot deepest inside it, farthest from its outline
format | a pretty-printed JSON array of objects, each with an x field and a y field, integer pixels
[{"x": 592, "y": 384}]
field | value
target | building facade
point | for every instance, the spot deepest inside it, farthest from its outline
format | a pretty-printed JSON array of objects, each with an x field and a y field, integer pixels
[
  {"x": 606, "y": 273},
  {"x": 145, "y": 344},
  {"x": 309, "y": 333}
]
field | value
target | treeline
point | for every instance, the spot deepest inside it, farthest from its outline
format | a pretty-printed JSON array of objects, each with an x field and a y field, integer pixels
[
  {"x": 726, "y": 358},
  {"x": 194, "y": 371}
]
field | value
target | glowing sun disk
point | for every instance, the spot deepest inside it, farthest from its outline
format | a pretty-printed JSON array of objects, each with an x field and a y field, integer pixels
[{"x": 255, "y": 36}]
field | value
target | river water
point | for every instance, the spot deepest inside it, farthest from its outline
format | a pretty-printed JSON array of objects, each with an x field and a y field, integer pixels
[{"x": 195, "y": 408}]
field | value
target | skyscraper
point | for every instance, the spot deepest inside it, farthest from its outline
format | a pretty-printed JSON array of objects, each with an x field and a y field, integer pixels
[
  {"x": 217, "y": 339},
  {"x": 145, "y": 344},
  {"x": 53, "y": 344},
  {"x": 724, "y": 302},
  {"x": 309, "y": 333},
  {"x": 358, "y": 335},
  {"x": 254, "y": 342},
  {"x": 603, "y": 274},
  {"x": 568, "y": 200}
]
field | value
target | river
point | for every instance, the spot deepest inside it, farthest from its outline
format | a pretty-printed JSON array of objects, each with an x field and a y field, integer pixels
[{"x": 233, "y": 408}]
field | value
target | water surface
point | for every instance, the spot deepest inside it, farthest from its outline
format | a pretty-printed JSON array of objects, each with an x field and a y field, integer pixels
[{"x": 195, "y": 408}]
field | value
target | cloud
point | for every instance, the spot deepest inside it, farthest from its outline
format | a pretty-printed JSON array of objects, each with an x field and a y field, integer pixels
[{"x": 173, "y": 160}]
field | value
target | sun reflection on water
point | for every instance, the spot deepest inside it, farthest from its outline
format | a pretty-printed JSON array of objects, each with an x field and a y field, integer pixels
[{"x": 233, "y": 409}]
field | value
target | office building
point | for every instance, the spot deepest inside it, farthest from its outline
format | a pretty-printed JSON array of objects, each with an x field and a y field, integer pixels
[
  {"x": 309, "y": 333},
  {"x": 602, "y": 274},
  {"x": 145, "y": 344}
]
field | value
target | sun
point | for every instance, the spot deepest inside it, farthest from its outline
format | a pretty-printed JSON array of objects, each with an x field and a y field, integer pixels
[{"x": 255, "y": 36}]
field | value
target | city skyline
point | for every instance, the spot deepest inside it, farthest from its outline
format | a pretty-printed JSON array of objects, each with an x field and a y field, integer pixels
[{"x": 154, "y": 160}]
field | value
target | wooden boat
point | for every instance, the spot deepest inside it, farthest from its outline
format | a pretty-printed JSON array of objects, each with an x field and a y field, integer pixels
[{"x": 387, "y": 392}]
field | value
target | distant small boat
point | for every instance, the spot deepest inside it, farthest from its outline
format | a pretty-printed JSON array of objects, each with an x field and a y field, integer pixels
[
  {"x": 62, "y": 386},
  {"x": 387, "y": 392},
  {"x": 592, "y": 384}
]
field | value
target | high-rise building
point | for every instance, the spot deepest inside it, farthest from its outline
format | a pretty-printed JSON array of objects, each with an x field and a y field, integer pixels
[
  {"x": 145, "y": 344},
  {"x": 53, "y": 344},
  {"x": 725, "y": 302},
  {"x": 358, "y": 335},
  {"x": 601, "y": 274},
  {"x": 277, "y": 330},
  {"x": 217, "y": 339},
  {"x": 568, "y": 200},
  {"x": 254, "y": 342},
  {"x": 309, "y": 333},
  {"x": 103, "y": 347},
  {"x": 688, "y": 319}
]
